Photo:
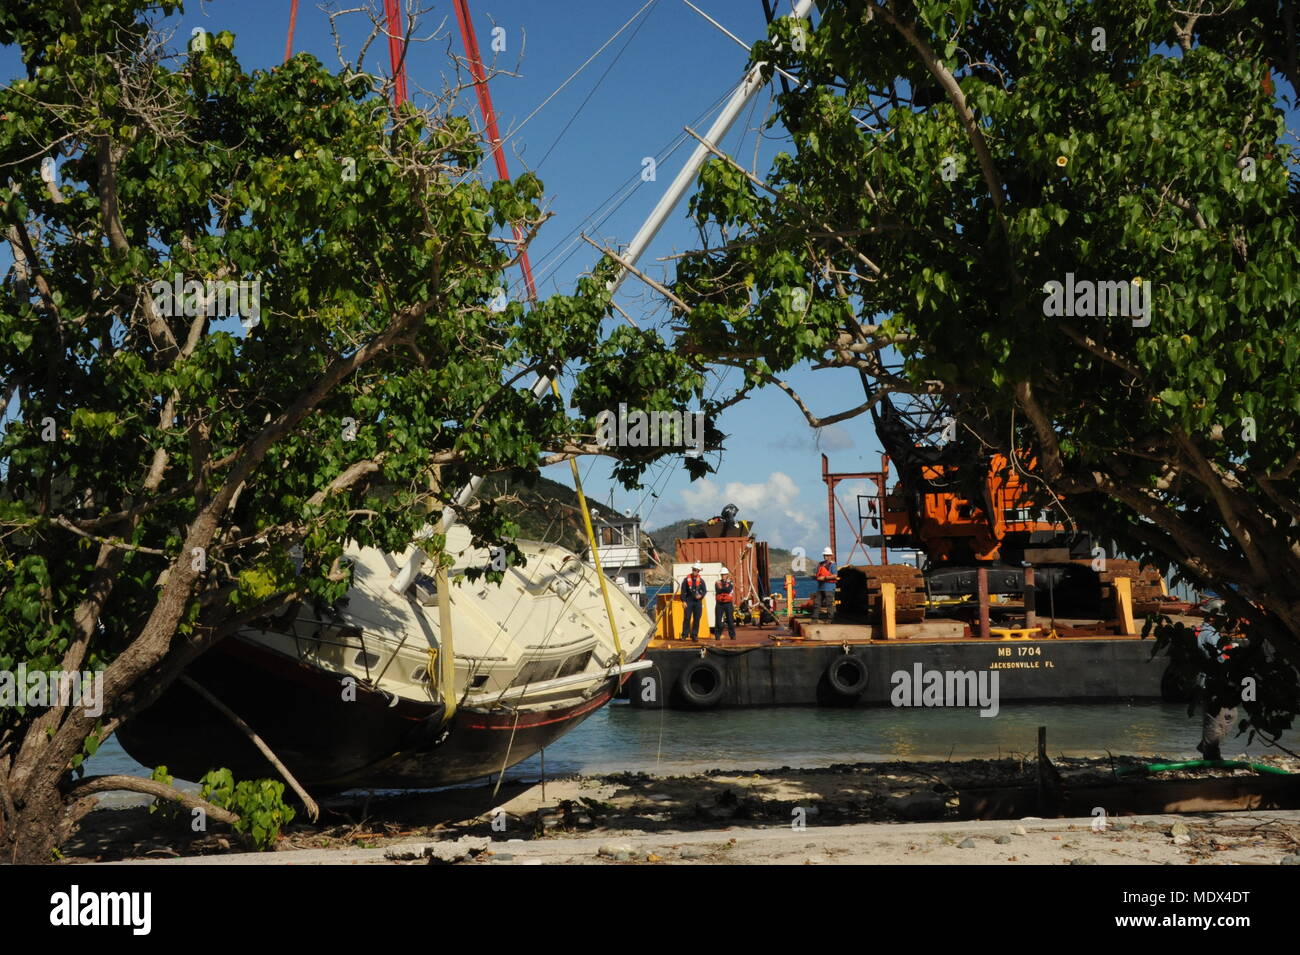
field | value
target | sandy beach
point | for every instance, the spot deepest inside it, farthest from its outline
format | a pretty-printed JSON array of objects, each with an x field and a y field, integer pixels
[
  {"x": 882, "y": 813},
  {"x": 1222, "y": 839}
]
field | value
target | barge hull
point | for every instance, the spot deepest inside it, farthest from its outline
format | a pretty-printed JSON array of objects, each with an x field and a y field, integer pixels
[{"x": 1095, "y": 669}]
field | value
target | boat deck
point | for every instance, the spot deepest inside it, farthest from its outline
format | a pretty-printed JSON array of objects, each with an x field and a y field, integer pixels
[{"x": 746, "y": 636}]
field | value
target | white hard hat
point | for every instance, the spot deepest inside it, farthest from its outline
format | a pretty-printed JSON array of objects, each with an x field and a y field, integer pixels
[
  {"x": 827, "y": 552},
  {"x": 697, "y": 566},
  {"x": 725, "y": 571}
]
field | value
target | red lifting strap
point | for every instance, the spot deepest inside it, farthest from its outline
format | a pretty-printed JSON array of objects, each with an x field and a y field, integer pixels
[
  {"x": 293, "y": 19},
  {"x": 476, "y": 70},
  {"x": 396, "y": 49}
]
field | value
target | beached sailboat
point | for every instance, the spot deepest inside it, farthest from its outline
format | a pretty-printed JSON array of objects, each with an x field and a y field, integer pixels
[{"x": 360, "y": 697}]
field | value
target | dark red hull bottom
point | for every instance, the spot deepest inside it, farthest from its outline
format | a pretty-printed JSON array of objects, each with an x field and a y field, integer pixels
[{"x": 327, "y": 739}]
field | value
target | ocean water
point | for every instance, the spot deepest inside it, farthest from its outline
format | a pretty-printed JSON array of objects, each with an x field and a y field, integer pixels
[{"x": 620, "y": 738}]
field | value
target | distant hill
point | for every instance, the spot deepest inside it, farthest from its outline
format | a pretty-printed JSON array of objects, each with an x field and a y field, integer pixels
[
  {"x": 666, "y": 536},
  {"x": 546, "y": 511}
]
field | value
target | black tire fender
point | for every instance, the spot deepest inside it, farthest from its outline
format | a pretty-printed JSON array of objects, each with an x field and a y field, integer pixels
[
  {"x": 702, "y": 684},
  {"x": 847, "y": 676}
]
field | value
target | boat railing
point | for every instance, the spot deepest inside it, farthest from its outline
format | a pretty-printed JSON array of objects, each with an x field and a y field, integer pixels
[
  {"x": 308, "y": 647},
  {"x": 544, "y": 687}
]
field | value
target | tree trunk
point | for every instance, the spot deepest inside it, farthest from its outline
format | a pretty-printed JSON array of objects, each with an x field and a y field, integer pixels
[{"x": 30, "y": 837}]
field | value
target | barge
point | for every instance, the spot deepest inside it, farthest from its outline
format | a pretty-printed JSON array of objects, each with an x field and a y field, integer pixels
[
  {"x": 897, "y": 627},
  {"x": 837, "y": 665}
]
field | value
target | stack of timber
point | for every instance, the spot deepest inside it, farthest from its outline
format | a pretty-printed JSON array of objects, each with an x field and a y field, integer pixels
[
  {"x": 1148, "y": 590},
  {"x": 861, "y": 598}
]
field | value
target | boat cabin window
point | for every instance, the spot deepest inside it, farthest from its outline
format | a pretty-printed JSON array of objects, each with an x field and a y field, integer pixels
[
  {"x": 618, "y": 535},
  {"x": 539, "y": 671},
  {"x": 536, "y": 672},
  {"x": 574, "y": 664},
  {"x": 426, "y": 590}
]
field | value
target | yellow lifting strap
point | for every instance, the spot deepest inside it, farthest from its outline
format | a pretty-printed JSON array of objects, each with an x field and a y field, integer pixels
[
  {"x": 442, "y": 659},
  {"x": 447, "y": 669},
  {"x": 595, "y": 553}
]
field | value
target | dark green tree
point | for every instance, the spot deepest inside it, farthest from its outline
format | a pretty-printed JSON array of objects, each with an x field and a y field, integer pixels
[{"x": 954, "y": 159}]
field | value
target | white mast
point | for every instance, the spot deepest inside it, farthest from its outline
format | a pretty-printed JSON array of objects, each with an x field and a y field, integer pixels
[{"x": 721, "y": 126}]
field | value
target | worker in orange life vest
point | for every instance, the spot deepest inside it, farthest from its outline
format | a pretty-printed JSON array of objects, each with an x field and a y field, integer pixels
[
  {"x": 827, "y": 577},
  {"x": 692, "y": 596},
  {"x": 724, "y": 596}
]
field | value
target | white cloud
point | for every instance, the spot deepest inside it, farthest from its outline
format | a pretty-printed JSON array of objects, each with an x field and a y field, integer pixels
[
  {"x": 772, "y": 505},
  {"x": 791, "y": 441},
  {"x": 849, "y": 491}
]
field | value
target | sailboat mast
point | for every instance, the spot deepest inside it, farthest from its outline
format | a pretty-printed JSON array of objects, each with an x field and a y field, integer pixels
[
  {"x": 752, "y": 83},
  {"x": 485, "y": 108},
  {"x": 396, "y": 49}
]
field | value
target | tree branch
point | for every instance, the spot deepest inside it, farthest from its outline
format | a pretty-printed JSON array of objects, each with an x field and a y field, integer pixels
[
  {"x": 313, "y": 810},
  {"x": 150, "y": 787},
  {"x": 817, "y": 422},
  {"x": 66, "y": 524},
  {"x": 658, "y": 287},
  {"x": 958, "y": 99},
  {"x": 798, "y": 206}
]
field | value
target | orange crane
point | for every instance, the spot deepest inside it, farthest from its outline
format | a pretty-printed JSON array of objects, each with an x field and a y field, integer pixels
[{"x": 969, "y": 511}]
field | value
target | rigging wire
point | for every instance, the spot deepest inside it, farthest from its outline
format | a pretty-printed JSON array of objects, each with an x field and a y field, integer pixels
[
  {"x": 470, "y": 39},
  {"x": 657, "y": 483},
  {"x": 571, "y": 240},
  {"x": 558, "y": 263},
  {"x": 533, "y": 606},
  {"x": 572, "y": 76},
  {"x": 506, "y": 762},
  {"x": 591, "y": 92},
  {"x": 498, "y": 143}
]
